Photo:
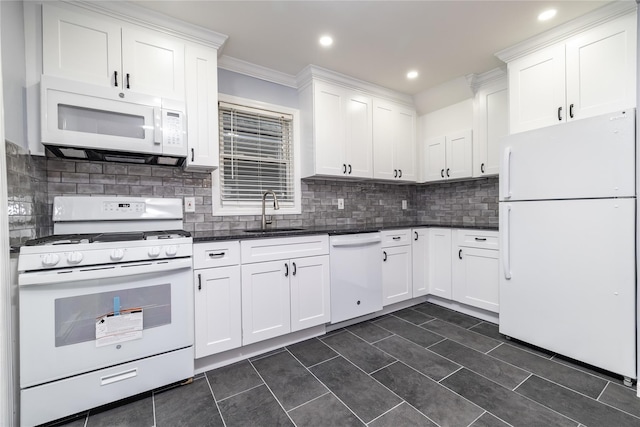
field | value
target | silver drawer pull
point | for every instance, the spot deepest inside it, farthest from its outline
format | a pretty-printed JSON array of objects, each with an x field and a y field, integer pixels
[
  {"x": 216, "y": 255},
  {"x": 481, "y": 239},
  {"x": 110, "y": 379}
]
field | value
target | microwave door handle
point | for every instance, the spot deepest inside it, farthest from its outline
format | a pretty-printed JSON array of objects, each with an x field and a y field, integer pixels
[{"x": 157, "y": 125}]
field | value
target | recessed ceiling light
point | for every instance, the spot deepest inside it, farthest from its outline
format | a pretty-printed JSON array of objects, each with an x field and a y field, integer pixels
[
  {"x": 412, "y": 74},
  {"x": 326, "y": 41},
  {"x": 547, "y": 14}
]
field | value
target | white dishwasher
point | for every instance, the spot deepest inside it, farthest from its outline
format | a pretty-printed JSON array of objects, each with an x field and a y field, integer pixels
[{"x": 356, "y": 275}]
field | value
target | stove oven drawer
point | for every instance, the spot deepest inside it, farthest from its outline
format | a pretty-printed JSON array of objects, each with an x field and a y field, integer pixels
[{"x": 57, "y": 399}]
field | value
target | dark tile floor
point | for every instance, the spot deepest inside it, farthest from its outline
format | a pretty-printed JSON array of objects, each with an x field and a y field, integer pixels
[{"x": 422, "y": 366}]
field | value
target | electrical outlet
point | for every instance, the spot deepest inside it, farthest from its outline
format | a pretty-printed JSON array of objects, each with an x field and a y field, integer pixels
[
  {"x": 404, "y": 204},
  {"x": 340, "y": 203},
  {"x": 189, "y": 204}
]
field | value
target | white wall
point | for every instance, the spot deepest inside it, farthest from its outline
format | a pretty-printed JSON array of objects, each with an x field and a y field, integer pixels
[
  {"x": 244, "y": 86},
  {"x": 442, "y": 96},
  {"x": 13, "y": 71},
  {"x": 446, "y": 120}
]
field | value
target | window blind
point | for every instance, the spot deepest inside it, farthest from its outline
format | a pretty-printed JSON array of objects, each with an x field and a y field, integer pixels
[{"x": 256, "y": 155}]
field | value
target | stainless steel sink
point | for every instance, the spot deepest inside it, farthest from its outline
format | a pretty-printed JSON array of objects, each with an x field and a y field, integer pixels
[{"x": 272, "y": 230}]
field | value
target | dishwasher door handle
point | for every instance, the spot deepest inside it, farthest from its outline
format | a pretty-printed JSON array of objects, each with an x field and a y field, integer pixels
[{"x": 358, "y": 241}]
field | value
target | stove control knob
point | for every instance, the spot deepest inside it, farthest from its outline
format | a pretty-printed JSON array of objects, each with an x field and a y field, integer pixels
[
  {"x": 49, "y": 260},
  {"x": 154, "y": 251},
  {"x": 117, "y": 254},
  {"x": 74, "y": 257},
  {"x": 171, "y": 250}
]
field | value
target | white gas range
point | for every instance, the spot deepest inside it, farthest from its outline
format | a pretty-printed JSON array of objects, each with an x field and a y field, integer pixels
[{"x": 106, "y": 302}]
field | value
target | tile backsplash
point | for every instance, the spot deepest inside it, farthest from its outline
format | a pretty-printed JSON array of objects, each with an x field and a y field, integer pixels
[
  {"x": 34, "y": 181},
  {"x": 29, "y": 215}
]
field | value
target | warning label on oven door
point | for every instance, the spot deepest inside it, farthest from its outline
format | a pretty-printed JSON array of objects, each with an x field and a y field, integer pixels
[{"x": 114, "y": 329}]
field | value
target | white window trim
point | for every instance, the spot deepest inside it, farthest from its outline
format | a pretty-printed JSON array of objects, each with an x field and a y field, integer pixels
[{"x": 218, "y": 209}]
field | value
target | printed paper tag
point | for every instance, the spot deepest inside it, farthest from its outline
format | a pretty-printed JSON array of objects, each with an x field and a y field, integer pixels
[{"x": 112, "y": 329}]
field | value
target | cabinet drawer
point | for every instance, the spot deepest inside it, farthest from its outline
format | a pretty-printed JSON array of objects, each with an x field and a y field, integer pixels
[
  {"x": 216, "y": 254},
  {"x": 260, "y": 250},
  {"x": 483, "y": 239},
  {"x": 395, "y": 238}
]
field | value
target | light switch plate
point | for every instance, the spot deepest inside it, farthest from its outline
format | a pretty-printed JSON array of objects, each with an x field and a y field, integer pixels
[
  {"x": 340, "y": 203},
  {"x": 404, "y": 204},
  {"x": 189, "y": 204}
]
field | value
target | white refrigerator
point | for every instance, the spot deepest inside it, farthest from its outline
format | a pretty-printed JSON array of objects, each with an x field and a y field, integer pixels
[{"x": 567, "y": 228}]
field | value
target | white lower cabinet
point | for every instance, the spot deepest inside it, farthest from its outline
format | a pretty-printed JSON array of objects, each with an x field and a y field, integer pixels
[
  {"x": 439, "y": 259},
  {"x": 310, "y": 297},
  {"x": 475, "y": 272},
  {"x": 282, "y": 293},
  {"x": 474, "y": 278},
  {"x": 217, "y": 297},
  {"x": 396, "y": 266},
  {"x": 420, "y": 261},
  {"x": 266, "y": 309},
  {"x": 461, "y": 265}
]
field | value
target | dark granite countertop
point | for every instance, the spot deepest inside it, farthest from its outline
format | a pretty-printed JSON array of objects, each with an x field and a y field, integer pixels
[{"x": 210, "y": 236}]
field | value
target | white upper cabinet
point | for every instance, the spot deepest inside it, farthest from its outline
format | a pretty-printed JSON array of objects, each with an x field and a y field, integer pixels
[
  {"x": 339, "y": 132},
  {"x": 80, "y": 47},
  {"x": 85, "y": 46},
  {"x": 345, "y": 120},
  {"x": 394, "y": 145},
  {"x": 589, "y": 74},
  {"x": 201, "y": 72},
  {"x": 491, "y": 123},
  {"x": 601, "y": 69},
  {"x": 448, "y": 157},
  {"x": 153, "y": 63}
]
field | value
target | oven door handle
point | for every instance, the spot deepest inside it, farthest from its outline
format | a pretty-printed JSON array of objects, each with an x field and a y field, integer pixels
[{"x": 52, "y": 277}]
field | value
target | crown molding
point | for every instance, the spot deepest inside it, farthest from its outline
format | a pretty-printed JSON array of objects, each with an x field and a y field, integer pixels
[
  {"x": 247, "y": 68},
  {"x": 476, "y": 81},
  {"x": 562, "y": 32},
  {"x": 313, "y": 72},
  {"x": 137, "y": 15}
]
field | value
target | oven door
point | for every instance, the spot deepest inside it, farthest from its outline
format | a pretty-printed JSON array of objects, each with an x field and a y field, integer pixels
[{"x": 77, "y": 320}]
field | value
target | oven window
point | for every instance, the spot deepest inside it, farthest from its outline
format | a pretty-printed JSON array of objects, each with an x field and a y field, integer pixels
[
  {"x": 75, "y": 317},
  {"x": 100, "y": 122}
]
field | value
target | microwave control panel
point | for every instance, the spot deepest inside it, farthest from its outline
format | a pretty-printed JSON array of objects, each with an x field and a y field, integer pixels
[{"x": 172, "y": 131}]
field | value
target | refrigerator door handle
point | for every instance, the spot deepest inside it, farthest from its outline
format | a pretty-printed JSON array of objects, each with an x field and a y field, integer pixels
[
  {"x": 506, "y": 255},
  {"x": 506, "y": 170}
]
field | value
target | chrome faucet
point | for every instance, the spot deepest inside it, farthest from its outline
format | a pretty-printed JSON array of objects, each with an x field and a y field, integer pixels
[{"x": 275, "y": 206}]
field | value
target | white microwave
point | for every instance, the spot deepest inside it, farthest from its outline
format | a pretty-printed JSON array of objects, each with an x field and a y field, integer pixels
[{"x": 84, "y": 121}]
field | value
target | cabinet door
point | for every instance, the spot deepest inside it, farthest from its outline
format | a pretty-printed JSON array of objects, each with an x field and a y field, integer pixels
[
  {"x": 440, "y": 262},
  {"x": 601, "y": 69},
  {"x": 310, "y": 299},
  {"x": 358, "y": 136},
  {"x": 476, "y": 278},
  {"x": 434, "y": 159},
  {"x": 459, "y": 155},
  {"x": 218, "y": 323},
  {"x": 420, "y": 262},
  {"x": 537, "y": 90},
  {"x": 80, "y": 47},
  {"x": 201, "y": 72},
  {"x": 328, "y": 125},
  {"x": 152, "y": 63},
  {"x": 396, "y": 274},
  {"x": 384, "y": 138},
  {"x": 265, "y": 301},
  {"x": 492, "y": 123},
  {"x": 405, "y": 147}
]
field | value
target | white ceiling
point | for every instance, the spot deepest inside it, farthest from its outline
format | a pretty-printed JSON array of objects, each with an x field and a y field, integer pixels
[{"x": 375, "y": 41}]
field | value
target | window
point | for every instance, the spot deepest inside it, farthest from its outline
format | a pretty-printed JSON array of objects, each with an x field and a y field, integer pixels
[{"x": 258, "y": 152}]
